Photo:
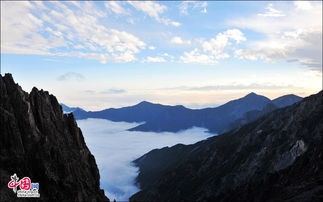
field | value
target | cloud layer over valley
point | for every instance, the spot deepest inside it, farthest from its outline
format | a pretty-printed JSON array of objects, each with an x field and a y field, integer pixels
[{"x": 114, "y": 148}]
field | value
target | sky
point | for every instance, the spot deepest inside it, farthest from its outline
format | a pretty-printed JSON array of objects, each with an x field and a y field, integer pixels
[
  {"x": 97, "y": 55},
  {"x": 115, "y": 148}
]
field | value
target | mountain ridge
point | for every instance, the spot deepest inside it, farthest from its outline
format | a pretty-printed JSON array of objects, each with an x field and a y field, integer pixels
[
  {"x": 261, "y": 161},
  {"x": 67, "y": 109},
  {"x": 160, "y": 118}
]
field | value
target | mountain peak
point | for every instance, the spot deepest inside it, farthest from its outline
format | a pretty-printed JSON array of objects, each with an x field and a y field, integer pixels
[
  {"x": 289, "y": 96},
  {"x": 286, "y": 100},
  {"x": 252, "y": 94},
  {"x": 144, "y": 103},
  {"x": 68, "y": 109},
  {"x": 8, "y": 77}
]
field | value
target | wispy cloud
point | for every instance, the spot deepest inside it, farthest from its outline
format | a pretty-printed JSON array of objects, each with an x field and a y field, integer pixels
[
  {"x": 113, "y": 91},
  {"x": 115, "y": 6},
  {"x": 178, "y": 40},
  {"x": 89, "y": 91},
  {"x": 293, "y": 34},
  {"x": 106, "y": 91},
  {"x": 154, "y": 10},
  {"x": 65, "y": 29},
  {"x": 303, "y": 5},
  {"x": 154, "y": 59},
  {"x": 71, "y": 76},
  {"x": 233, "y": 86},
  {"x": 271, "y": 12},
  {"x": 185, "y": 6}
]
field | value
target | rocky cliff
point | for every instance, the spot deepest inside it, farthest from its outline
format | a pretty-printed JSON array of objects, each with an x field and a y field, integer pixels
[
  {"x": 278, "y": 157},
  {"x": 40, "y": 142}
]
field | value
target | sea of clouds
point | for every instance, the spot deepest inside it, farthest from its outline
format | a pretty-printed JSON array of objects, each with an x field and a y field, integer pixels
[{"x": 115, "y": 148}]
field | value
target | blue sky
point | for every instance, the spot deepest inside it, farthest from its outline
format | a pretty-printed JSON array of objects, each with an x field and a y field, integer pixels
[{"x": 111, "y": 54}]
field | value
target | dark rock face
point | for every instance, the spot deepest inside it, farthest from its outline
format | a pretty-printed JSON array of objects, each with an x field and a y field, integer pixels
[
  {"x": 40, "y": 142},
  {"x": 278, "y": 157}
]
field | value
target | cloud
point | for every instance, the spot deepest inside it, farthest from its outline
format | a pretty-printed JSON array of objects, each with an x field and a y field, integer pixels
[
  {"x": 303, "y": 5},
  {"x": 271, "y": 12},
  {"x": 195, "y": 56},
  {"x": 113, "y": 91},
  {"x": 296, "y": 36},
  {"x": 167, "y": 21},
  {"x": 153, "y": 10},
  {"x": 51, "y": 60},
  {"x": 89, "y": 91},
  {"x": 72, "y": 29},
  {"x": 154, "y": 59},
  {"x": 169, "y": 57},
  {"x": 107, "y": 91},
  {"x": 114, "y": 148},
  {"x": 234, "y": 86},
  {"x": 18, "y": 33},
  {"x": 115, "y": 7},
  {"x": 185, "y": 6},
  {"x": 217, "y": 44},
  {"x": 214, "y": 49},
  {"x": 178, "y": 40},
  {"x": 71, "y": 76}
]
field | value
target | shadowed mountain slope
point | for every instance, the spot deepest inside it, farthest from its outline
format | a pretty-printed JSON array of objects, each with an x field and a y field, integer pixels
[{"x": 278, "y": 157}]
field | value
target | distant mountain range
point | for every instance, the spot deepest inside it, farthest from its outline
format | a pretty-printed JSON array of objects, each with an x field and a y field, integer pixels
[
  {"x": 278, "y": 157},
  {"x": 160, "y": 118},
  {"x": 67, "y": 109}
]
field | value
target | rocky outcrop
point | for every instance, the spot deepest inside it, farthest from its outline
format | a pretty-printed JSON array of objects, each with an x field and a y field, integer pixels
[
  {"x": 278, "y": 157},
  {"x": 38, "y": 141}
]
